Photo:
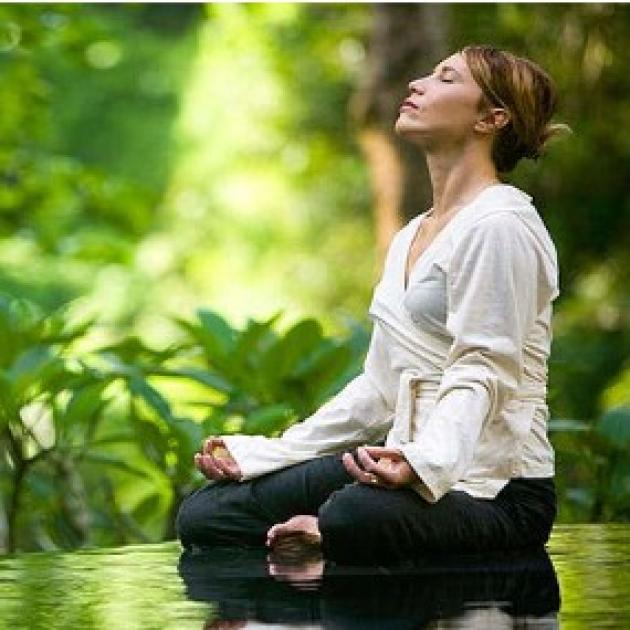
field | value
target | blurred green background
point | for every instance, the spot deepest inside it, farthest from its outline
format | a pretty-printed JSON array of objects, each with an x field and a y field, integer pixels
[{"x": 189, "y": 239}]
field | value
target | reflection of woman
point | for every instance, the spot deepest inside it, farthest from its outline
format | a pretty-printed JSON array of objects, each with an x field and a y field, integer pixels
[
  {"x": 455, "y": 375},
  {"x": 519, "y": 590}
]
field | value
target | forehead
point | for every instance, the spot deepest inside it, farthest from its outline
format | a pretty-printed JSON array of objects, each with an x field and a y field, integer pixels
[{"x": 455, "y": 61}]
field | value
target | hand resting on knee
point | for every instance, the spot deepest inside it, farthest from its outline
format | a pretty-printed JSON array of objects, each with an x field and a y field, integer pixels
[
  {"x": 216, "y": 462},
  {"x": 382, "y": 466}
]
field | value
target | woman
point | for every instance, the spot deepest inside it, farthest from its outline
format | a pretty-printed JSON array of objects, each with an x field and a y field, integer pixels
[{"x": 454, "y": 379}]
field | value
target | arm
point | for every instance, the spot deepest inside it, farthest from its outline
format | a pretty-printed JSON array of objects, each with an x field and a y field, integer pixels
[
  {"x": 496, "y": 290},
  {"x": 359, "y": 413}
]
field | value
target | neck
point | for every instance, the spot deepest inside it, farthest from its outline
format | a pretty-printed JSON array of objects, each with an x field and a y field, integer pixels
[{"x": 458, "y": 176}]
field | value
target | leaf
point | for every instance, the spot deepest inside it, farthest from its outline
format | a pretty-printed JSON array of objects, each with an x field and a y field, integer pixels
[
  {"x": 140, "y": 387},
  {"x": 614, "y": 427},
  {"x": 220, "y": 335},
  {"x": 189, "y": 437},
  {"x": 133, "y": 350},
  {"x": 108, "y": 459},
  {"x": 36, "y": 370},
  {"x": 84, "y": 407},
  {"x": 326, "y": 371},
  {"x": 117, "y": 438},
  {"x": 268, "y": 420},
  {"x": 8, "y": 409},
  {"x": 146, "y": 509},
  {"x": 211, "y": 379},
  {"x": 282, "y": 356},
  {"x": 151, "y": 441},
  {"x": 256, "y": 338}
]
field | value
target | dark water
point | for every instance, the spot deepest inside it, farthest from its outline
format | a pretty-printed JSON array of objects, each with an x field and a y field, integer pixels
[{"x": 580, "y": 581}]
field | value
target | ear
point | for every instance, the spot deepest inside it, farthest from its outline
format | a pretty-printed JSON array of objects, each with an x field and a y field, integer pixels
[{"x": 492, "y": 120}]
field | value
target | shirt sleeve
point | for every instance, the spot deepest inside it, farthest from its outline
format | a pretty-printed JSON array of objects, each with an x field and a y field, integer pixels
[
  {"x": 360, "y": 413},
  {"x": 496, "y": 288}
]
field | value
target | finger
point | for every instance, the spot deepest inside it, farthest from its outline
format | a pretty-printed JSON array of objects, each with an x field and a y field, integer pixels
[
  {"x": 366, "y": 461},
  {"x": 359, "y": 474},
  {"x": 400, "y": 474},
  {"x": 197, "y": 461},
  {"x": 201, "y": 466},
  {"x": 211, "y": 468},
  {"x": 212, "y": 442},
  {"x": 351, "y": 466},
  {"x": 229, "y": 467},
  {"x": 382, "y": 451}
]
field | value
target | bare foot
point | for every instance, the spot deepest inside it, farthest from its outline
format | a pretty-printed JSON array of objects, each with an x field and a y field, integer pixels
[
  {"x": 303, "y": 525},
  {"x": 296, "y": 555},
  {"x": 304, "y": 576}
]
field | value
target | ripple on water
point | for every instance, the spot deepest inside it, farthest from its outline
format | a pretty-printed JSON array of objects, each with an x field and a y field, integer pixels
[{"x": 141, "y": 586}]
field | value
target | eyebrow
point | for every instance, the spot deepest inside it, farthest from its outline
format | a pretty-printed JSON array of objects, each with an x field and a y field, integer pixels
[{"x": 446, "y": 68}]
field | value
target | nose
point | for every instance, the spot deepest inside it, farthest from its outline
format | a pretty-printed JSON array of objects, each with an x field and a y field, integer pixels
[{"x": 417, "y": 85}]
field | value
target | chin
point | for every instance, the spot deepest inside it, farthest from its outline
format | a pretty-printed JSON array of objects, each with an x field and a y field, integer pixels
[{"x": 405, "y": 129}]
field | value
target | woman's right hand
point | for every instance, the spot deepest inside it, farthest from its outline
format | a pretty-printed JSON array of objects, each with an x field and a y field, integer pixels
[{"x": 216, "y": 462}]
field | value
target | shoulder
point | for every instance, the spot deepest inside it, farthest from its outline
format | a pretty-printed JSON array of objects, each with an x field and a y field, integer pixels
[
  {"x": 506, "y": 234},
  {"x": 506, "y": 219}
]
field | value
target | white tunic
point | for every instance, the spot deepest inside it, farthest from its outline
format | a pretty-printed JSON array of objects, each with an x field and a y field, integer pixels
[{"x": 456, "y": 371}]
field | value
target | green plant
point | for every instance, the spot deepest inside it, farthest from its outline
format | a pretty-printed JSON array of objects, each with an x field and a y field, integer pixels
[
  {"x": 50, "y": 407},
  {"x": 595, "y": 465}
]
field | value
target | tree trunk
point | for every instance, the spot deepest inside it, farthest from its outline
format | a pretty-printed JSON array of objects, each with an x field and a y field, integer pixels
[{"x": 406, "y": 41}]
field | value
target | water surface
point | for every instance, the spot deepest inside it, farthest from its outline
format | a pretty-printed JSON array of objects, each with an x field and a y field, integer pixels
[{"x": 581, "y": 580}]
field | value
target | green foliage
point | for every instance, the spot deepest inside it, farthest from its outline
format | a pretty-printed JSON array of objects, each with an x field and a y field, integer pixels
[
  {"x": 594, "y": 479},
  {"x": 155, "y": 157},
  {"x": 76, "y": 428},
  {"x": 268, "y": 380}
]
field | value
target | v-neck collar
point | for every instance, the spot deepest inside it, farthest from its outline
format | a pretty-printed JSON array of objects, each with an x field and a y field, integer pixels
[{"x": 419, "y": 219}]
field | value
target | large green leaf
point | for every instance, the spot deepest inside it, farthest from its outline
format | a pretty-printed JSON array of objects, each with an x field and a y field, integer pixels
[
  {"x": 325, "y": 371},
  {"x": 220, "y": 337},
  {"x": 255, "y": 339},
  {"x": 141, "y": 388},
  {"x": 283, "y": 356}
]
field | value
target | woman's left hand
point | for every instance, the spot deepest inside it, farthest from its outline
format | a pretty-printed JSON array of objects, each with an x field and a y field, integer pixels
[{"x": 380, "y": 466}]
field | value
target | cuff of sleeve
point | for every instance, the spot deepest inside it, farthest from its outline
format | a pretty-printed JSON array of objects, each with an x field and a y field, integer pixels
[
  {"x": 239, "y": 447},
  {"x": 429, "y": 487}
]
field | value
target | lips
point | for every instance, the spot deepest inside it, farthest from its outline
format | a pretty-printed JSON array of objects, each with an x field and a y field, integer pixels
[{"x": 409, "y": 103}]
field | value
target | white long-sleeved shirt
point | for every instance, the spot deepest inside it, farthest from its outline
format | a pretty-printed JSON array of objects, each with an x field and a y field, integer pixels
[{"x": 456, "y": 370}]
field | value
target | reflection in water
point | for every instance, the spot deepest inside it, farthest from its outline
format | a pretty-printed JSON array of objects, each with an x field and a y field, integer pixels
[
  {"x": 137, "y": 588},
  {"x": 470, "y": 592}
]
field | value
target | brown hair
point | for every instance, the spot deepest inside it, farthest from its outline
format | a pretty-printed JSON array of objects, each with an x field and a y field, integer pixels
[{"x": 529, "y": 95}]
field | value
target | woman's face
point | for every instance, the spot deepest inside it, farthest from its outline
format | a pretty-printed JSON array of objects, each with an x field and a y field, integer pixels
[{"x": 443, "y": 107}]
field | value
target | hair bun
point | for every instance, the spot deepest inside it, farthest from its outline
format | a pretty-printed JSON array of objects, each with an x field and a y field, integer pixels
[{"x": 527, "y": 92}]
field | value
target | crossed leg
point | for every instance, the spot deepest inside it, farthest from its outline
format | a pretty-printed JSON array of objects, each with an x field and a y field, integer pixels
[{"x": 354, "y": 522}]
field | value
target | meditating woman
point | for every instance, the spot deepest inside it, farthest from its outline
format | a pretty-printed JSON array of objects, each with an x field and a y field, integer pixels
[{"x": 454, "y": 381}]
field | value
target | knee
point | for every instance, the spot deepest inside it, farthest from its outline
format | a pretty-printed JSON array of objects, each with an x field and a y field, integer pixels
[
  {"x": 193, "y": 518},
  {"x": 346, "y": 523}
]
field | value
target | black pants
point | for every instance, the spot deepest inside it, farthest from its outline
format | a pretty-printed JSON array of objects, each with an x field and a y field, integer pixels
[{"x": 363, "y": 524}]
